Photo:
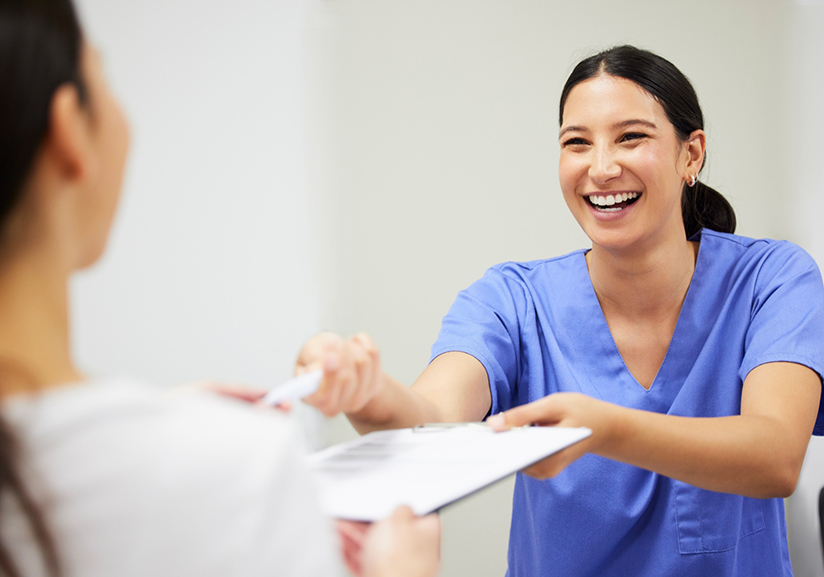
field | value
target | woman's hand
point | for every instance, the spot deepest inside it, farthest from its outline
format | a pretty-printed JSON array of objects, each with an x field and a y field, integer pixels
[
  {"x": 560, "y": 410},
  {"x": 402, "y": 546},
  {"x": 352, "y": 374}
]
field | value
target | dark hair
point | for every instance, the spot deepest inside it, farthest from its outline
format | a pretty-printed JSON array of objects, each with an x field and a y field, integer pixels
[
  {"x": 40, "y": 43},
  {"x": 701, "y": 206}
]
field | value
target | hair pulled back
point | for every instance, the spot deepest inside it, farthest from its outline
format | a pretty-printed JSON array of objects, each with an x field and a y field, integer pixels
[
  {"x": 40, "y": 43},
  {"x": 701, "y": 206}
]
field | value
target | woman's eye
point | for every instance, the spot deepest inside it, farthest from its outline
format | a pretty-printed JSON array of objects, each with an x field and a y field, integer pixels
[
  {"x": 574, "y": 141},
  {"x": 633, "y": 136}
]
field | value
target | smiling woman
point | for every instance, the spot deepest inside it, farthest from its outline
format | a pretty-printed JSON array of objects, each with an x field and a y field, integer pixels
[{"x": 694, "y": 355}]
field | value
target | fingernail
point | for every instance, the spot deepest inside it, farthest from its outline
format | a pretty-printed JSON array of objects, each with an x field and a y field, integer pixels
[{"x": 496, "y": 421}]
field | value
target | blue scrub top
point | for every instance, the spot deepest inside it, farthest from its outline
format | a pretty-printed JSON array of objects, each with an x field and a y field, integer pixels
[{"x": 538, "y": 328}]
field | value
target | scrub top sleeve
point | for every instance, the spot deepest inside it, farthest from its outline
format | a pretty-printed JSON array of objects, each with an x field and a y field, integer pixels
[
  {"x": 484, "y": 322},
  {"x": 787, "y": 319}
]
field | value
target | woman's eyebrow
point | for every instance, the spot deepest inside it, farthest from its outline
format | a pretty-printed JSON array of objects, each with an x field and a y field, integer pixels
[
  {"x": 572, "y": 129},
  {"x": 617, "y": 125},
  {"x": 633, "y": 122}
]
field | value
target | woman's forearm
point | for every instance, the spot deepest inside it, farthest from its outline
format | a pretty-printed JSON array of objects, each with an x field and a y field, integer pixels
[
  {"x": 453, "y": 387},
  {"x": 746, "y": 454},
  {"x": 395, "y": 406},
  {"x": 758, "y": 453}
]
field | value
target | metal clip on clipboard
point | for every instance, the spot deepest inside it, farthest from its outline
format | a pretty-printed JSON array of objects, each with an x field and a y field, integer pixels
[{"x": 436, "y": 427}]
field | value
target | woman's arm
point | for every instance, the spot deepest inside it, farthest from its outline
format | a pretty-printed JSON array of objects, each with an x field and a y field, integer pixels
[
  {"x": 454, "y": 387},
  {"x": 758, "y": 453}
]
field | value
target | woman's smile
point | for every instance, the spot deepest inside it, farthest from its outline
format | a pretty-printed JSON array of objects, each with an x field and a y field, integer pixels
[{"x": 612, "y": 206}]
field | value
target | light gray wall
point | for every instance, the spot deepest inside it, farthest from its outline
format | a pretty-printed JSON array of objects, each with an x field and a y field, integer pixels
[
  {"x": 212, "y": 267},
  {"x": 444, "y": 128}
]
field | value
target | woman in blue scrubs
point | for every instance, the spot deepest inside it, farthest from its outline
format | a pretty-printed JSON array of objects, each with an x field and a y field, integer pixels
[{"x": 694, "y": 355}]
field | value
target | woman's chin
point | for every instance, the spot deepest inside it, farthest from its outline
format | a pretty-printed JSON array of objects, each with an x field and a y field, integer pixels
[
  {"x": 611, "y": 238},
  {"x": 91, "y": 256}
]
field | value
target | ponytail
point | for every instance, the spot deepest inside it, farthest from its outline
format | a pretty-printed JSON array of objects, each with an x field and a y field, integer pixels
[{"x": 705, "y": 207}]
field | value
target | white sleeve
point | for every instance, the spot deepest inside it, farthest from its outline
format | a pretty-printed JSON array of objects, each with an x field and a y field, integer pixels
[{"x": 236, "y": 499}]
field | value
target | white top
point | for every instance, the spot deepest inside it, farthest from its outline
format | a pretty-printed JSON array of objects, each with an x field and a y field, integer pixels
[{"x": 140, "y": 483}]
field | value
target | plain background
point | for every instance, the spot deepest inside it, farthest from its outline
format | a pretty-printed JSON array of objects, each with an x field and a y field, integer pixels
[{"x": 352, "y": 164}]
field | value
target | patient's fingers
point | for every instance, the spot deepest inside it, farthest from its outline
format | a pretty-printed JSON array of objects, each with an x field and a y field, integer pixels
[
  {"x": 352, "y": 534},
  {"x": 233, "y": 390},
  {"x": 403, "y": 546}
]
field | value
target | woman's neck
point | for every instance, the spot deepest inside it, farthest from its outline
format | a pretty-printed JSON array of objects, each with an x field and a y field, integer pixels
[
  {"x": 643, "y": 283},
  {"x": 35, "y": 351}
]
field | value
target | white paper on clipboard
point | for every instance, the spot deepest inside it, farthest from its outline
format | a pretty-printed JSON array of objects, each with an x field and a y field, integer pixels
[{"x": 426, "y": 469}]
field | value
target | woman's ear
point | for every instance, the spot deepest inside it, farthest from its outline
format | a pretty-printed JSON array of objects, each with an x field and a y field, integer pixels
[
  {"x": 695, "y": 147},
  {"x": 67, "y": 147}
]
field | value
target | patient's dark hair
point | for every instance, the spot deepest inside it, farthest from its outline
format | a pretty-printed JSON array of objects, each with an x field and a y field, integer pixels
[
  {"x": 701, "y": 206},
  {"x": 40, "y": 43}
]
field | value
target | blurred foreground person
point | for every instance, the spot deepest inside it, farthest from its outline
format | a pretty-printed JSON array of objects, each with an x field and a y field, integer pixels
[{"x": 110, "y": 477}]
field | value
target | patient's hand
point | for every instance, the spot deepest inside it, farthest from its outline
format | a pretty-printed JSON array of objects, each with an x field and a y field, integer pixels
[
  {"x": 402, "y": 546},
  {"x": 231, "y": 390},
  {"x": 352, "y": 535}
]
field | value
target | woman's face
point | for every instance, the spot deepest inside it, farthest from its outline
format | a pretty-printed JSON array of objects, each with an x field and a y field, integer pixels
[
  {"x": 109, "y": 142},
  {"x": 622, "y": 167}
]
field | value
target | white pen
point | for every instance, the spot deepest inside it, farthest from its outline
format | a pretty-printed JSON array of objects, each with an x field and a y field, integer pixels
[{"x": 295, "y": 388}]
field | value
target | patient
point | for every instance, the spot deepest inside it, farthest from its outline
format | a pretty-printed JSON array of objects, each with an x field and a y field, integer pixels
[{"x": 104, "y": 477}]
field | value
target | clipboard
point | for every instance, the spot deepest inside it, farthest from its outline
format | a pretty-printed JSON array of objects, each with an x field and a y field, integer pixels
[{"x": 427, "y": 467}]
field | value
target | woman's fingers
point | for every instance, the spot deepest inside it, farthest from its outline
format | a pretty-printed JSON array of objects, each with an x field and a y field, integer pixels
[
  {"x": 368, "y": 368},
  {"x": 313, "y": 352},
  {"x": 559, "y": 409},
  {"x": 540, "y": 412},
  {"x": 351, "y": 371},
  {"x": 556, "y": 463}
]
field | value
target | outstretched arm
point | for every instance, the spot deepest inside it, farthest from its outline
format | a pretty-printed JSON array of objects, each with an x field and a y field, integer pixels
[
  {"x": 758, "y": 453},
  {"x": 454, "y": 387}
]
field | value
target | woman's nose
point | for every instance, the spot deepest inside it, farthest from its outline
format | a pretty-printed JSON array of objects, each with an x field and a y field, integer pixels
[{"x": 604, "y": 166}]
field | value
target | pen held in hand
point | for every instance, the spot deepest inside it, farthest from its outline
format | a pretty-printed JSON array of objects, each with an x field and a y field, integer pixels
[{"x": 295, "y": 388}]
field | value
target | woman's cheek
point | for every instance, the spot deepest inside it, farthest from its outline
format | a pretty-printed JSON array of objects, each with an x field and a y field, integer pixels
[{"x": 570, "y": 174}]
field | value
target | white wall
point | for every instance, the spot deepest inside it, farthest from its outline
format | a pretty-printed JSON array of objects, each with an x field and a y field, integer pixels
[
  {"x": 212, "y": 268},
  {"x": 804, "y": 150}
]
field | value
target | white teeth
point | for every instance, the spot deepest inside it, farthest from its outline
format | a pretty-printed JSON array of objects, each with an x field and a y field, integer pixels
[{"x": 610, "y": 199}]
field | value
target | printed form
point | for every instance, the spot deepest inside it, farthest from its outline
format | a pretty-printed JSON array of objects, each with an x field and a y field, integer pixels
[{"x": 427, "y": 467}]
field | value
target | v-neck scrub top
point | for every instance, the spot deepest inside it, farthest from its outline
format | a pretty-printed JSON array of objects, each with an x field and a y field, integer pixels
[{"x": 538, "y": 328}]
